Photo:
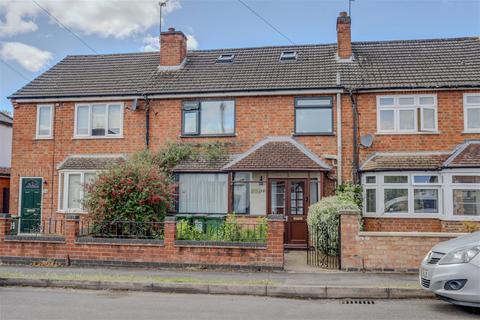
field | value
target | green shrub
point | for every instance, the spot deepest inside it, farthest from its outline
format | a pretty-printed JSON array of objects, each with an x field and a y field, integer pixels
[
  {"x": 350, "y": 191},
  {"x": 230, "y": 231},
  {"x": 135, "y": 191},
  {"x": 323, "y": 222}
]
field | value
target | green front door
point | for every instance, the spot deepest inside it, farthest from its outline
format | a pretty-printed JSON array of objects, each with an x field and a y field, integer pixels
[{"x": 30, "y": 213}]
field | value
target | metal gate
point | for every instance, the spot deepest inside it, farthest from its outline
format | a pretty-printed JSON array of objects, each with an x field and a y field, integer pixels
[{"x": 324, "y": 245}]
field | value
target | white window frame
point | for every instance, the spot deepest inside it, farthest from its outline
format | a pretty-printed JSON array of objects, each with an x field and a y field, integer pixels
[
  {"x": 419, "y": 126},
  {"x": 380, "y": 187},
  {"x": 63, "y": 178},
  {"x": 466, "y": 107},
  {"x": 450, "y": 186},
  {"x": 37, "y": 131},
  {"x": 90, "y": 120}
]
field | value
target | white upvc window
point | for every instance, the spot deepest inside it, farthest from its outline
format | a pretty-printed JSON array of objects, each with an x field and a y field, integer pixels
[
  {"x": 407, "y": 114},
  {"x": 462, "y": 195},
  {"x": 44, "y": 121},
  {"x": 72, "y": 189},
  {"x": 203, "y": 193},
  {"x": 98, "y": 120},
  {"x": 402, "y": 194},
  {"x": 471, "y": 112}
]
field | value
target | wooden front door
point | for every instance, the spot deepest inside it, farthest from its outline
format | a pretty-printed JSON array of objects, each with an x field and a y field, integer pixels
[
  {"x": 289, "y": 197},
  {"x": 30, "y": 210}
]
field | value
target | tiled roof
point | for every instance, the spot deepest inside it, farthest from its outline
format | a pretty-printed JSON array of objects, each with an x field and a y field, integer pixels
[
  {"x": 277, "y": 153},
  {"x": 465, "y": 155},
  {"x": 90, "y": 162},
  {"x": 6, "y": 119},
  {"x": 4, "y": 171},
  {"x": 203, "y": 164},
  {"x": 404, "y": 161},
  {"x": 381, "y": 64}
]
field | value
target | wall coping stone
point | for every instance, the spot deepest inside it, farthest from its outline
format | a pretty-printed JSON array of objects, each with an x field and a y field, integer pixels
[
  {"x": 223, "y": 244},
  {"x": 72, "y": 216},
  {"x": 5, "y": 215},
  {"x": 350, "y": 212},
  {"x": 410, "y": 234},
  {"x": 33, "y": 238},
  {"x": 118, "y": 241},
  {"x": 170, "y": 219}
]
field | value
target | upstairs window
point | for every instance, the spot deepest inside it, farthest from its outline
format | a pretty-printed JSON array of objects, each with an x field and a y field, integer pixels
[
  {"x": 99, "y": 120},
  {"x": 208, "y": 118},
  {"x": 471, "y": 112},
  {"x": 314, "y": 115},
  {"x": 44, "y": 121},
  {"x": 406, "y": 114}
]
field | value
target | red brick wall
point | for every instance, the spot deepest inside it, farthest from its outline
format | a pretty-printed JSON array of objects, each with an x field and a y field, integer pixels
[
  {"x": 384, "y": 252},
  {"x": 4, "y": 183},
  {"x": 40, "y": 158},
  {"x": 420, "y": 225},
  {"x": 169, "y": 253}
]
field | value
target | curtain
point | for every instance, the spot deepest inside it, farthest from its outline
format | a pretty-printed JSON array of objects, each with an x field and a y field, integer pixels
[{"x": 203, "y": 193}]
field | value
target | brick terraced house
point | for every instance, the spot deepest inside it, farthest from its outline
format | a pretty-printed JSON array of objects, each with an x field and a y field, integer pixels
[{"x": 400, "y": 117}]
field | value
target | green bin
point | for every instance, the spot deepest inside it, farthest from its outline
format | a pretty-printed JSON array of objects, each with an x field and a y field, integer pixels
[{"x": 214, "y": 221}]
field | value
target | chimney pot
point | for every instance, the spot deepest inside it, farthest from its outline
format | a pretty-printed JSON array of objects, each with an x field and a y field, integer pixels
[{"x": 344, "y": 38}]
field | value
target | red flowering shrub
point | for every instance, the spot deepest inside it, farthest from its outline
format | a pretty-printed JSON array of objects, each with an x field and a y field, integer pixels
[{"x": 135, "y": 191}]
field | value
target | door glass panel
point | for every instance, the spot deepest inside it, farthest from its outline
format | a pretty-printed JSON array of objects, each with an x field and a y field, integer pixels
[
  {"x": 278, "y": 197},
  {"x": 297, "y": 190}
]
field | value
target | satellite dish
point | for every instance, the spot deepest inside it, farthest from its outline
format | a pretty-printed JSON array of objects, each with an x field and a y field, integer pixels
[
  {"x": 134, "y": 104},
  {"x": 366, "y": 140}
]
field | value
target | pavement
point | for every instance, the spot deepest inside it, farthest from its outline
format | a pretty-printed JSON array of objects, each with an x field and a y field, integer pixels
[
  {"x": 274, "y": 284},
  {"x": 52, "y": 304}
]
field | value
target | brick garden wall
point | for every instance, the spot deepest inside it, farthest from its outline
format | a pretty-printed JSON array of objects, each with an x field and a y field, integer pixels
[
  {"x": 384, "y": 251},
  {"x": 75, "y": 250}
]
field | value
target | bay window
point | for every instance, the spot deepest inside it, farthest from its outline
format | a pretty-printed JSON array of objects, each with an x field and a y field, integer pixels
[
  {"x": 211, "y": 117},
  {"x": 98, "y": 120},
  {"x": 72, "y": 189},
  {"x": 406, "y": 113},
  {"x": 471, "y": 112},
  {"x": 203, "y": 193},
  {"x": 465, "y": 194}
]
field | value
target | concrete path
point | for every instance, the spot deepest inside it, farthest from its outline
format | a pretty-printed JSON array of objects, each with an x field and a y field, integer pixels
[{"x": 52, "y": 304}]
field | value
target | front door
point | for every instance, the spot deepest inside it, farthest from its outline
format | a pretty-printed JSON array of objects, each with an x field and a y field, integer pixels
[
  {"x": 289, "y": 197},
  {"x": 30, "y": 212}
]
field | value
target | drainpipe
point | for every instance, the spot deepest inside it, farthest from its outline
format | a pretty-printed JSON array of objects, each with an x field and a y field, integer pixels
[
  {"x": 147, "y": 122},
  {"x": 339, "y": 139},
  {"x": 355, "y": 161}
]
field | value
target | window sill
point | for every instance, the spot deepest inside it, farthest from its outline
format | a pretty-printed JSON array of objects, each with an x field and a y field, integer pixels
[
  {"x": 208, "y": 135},
  {"x": 95, "y": 138},
  {"x": 71, "y": 212},
  {"x": 471, "y": 132},
  {"x": 43, "y": 138},
  {"x": 407, "y": 133},
  {"x": 328, "y": 134}
]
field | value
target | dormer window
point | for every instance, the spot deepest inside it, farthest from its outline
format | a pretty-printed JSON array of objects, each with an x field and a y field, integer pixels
[
  {"x": 288, "y": 56},
  {"x": 226, "y": 58}
]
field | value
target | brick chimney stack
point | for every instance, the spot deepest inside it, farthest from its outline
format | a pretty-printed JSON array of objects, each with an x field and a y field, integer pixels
[
  {"x": 344, "y": 38},
  {"x": 173, "y": 48}
]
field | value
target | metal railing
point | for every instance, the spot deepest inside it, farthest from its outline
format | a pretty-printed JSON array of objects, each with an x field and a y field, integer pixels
[
  {"x": 222, "y": 232},
  {"x": 122, "y": 229},
  {"x": 37, "y": 227},
  {"x": 324, "y": 245}
]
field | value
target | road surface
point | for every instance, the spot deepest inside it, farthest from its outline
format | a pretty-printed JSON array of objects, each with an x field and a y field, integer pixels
[{"x": 40, "y": 303}]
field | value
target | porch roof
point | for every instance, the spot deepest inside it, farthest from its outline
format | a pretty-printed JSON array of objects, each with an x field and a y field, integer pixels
[
  {"x": 465, "y": 155},
  {"x": 277, "y": 153},
  {"x": 90, "y": 162}
]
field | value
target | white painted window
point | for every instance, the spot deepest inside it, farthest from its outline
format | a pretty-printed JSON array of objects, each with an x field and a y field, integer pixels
[
  {"x": 407, "y": 113},
  {"x": 463, "y": 194},
  {"x": 471, "y": 112},
  {"x": 72, "y": 189},
  {"x": 99, "y": 120},
  {"x": 44, "y": 121}
]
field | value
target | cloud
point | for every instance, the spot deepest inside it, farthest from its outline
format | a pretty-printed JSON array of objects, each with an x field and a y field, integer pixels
[
  {"x": 30, "y": 58},
  {"x": 151, "y": 43},
  {"x": 17, "y": 18},
  {"x": 113, "y": 18}
]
